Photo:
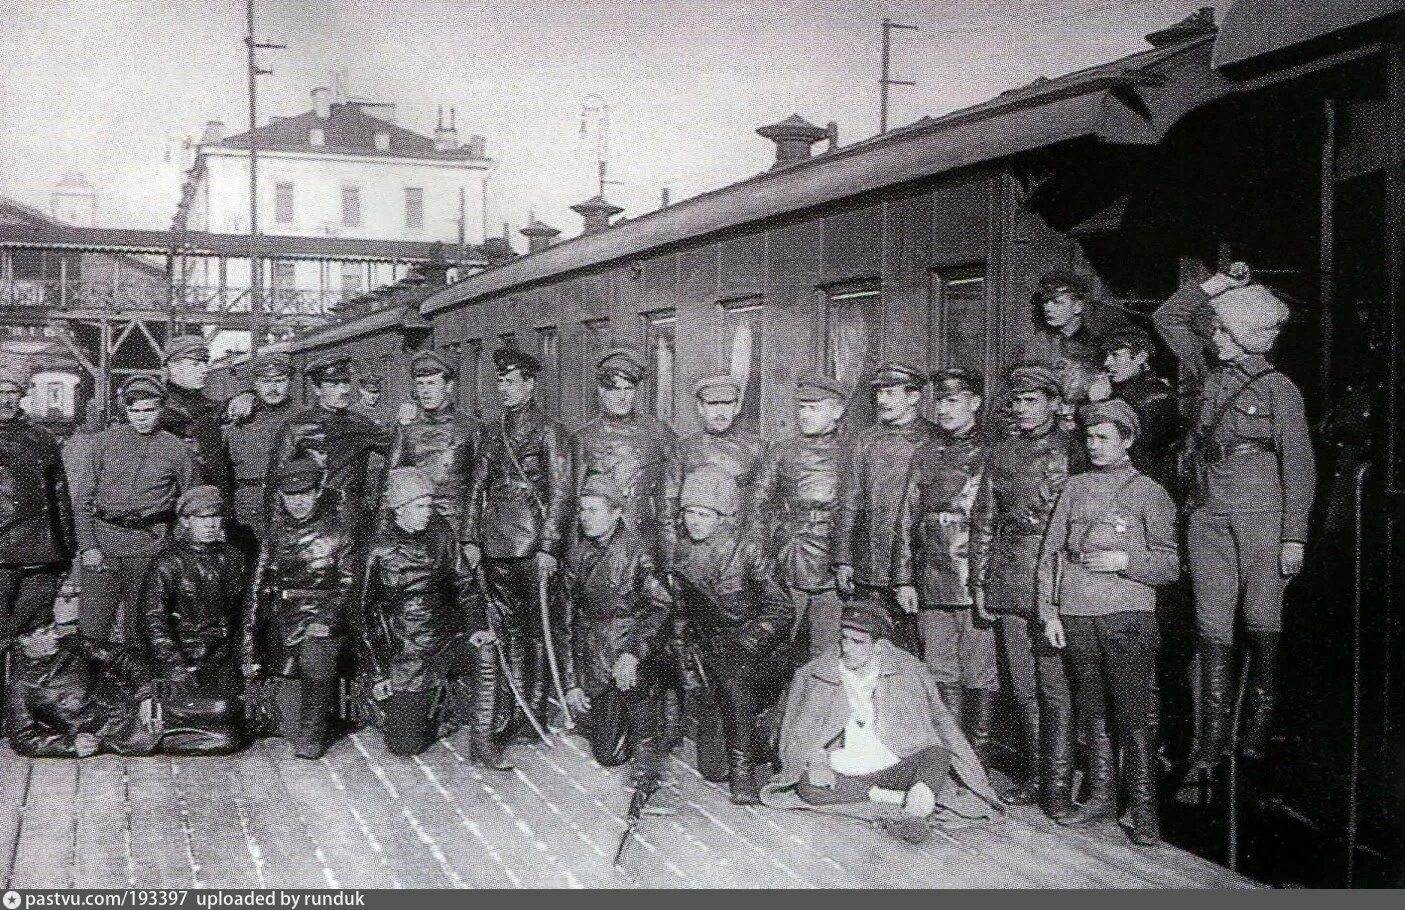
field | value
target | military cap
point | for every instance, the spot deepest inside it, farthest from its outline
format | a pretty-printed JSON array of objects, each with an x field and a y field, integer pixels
[
  {"x": 337, "y": 369},
  {"x": 1114, "y": 410},
  {"x": 297, "y": 475},
  {"x": 957, "y": 379},
  {"x": 1134, "y": 340},
  {"x": 200, "y": 502},
  {"x": 1053, "y": 283},
  {"x": 193, "y": 346},
  {"x": 428, "y": 363},
  {"x": 405, "y": 485},
  {"x": 1252, "y": 315},
  {"x": 371, "y": 382},
  {"x": 1035, "y": 377},
  {"x": 712, "y": 488},
  {"x": 717, "y": 389},
  {"x": 139, "y": 387},
  {"x": 867, "y": 615},
  {"x": 271, "y": 366},
  {"x": 818, "y": 388},
  {"x": 602, "y": 486},
  {"x": 508, "y": 359},
  {"x": 897, "y": 372},
  {"x": 67, "y": 600},
  {"x": 16, "y": 374},
  {"x": 621, "y": 367}
]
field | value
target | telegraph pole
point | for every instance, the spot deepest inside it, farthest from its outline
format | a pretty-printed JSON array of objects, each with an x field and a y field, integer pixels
[
  {"x": 262, "y": 313},
  {"x": 883, "y": 80}
]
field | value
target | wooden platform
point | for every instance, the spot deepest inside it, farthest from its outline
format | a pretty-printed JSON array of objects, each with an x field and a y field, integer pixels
[{"x": 361, "y": 818}]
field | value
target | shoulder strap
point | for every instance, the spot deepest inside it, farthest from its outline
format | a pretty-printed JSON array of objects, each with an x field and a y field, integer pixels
[
  {"x": 518, "y": 467},
  {"x": 1214, "y": 423}
]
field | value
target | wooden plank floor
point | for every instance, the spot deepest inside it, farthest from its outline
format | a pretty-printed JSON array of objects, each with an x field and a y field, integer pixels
[{"x": 361, "y": 818}]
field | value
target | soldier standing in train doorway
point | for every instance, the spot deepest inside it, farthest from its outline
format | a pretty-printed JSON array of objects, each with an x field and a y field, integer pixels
[
  {"x": 1251, "y": 476},
  {"x": 519, "y": 515},
  {"x": 249, "y": 442}
]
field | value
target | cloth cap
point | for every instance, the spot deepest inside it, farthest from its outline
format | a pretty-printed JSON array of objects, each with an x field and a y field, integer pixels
[
  {"x": 601, "y": 485},
  {"x": 716, "y": 389},
  {"x": 200, "y": 502},
  {"x": 1051, "y": 284},
  {"x": 139, "y": 387},
  {"x": 712, "y": 488},
  {"x": 193, "y": 346},
  {"x": 1252, "y": 315},
  {"x": 620, "y": 368},
  {"x": 867, "y": 615},
  {"x": 1114, "y": 410},
  {"x": 897, "y": 372},
  {"x": 957, "y": 379},
  {"x": 508, "y": 359},
  {"x": 1035, "y": 377},
  {"x": 297, "y": 475},
  {"x": 271, "y": 366},
  {"x": 1134, "y": 340},
  {"x": 15, "y": 374},
  {"x": 335, "y": 370},
  {"x": 818, "y": 388},
  {"x": 428, "y": 363},
  {"x": 405, "y": 485}
]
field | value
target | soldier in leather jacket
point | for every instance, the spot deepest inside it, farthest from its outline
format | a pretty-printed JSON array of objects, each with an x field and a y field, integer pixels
[
  {"x": 298, "y": 610},
  {"x": 439, "y": 440},
  {"x": 519, "y": 512},
  {"x": 617, "y": 608},
  {"x": 191, "y": 415},
  {"x": 731, "y": 615}
]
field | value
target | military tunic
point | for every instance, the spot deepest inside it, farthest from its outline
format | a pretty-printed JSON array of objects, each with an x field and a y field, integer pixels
[
  {"x": 249, "y": 444},
  {"x": 633, "y": 452},
  {"x": 443, "y": 444}
]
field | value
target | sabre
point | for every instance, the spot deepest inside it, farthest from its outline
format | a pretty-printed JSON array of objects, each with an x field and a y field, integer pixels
[
  {"x": 638, "y": 808},
  {"x": 542, "y": 581},
  {"x": 517, "y": 696}
]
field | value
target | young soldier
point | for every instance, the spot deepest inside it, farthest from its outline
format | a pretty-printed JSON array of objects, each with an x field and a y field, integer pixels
[
  {"x": 519, "y": 510},
  {"x": 249, "y": 440},
  {"x": 617, "y": 608},
  {"x": 871, "y": 488},
  {"x": 1128, "y": 376},
  {"x": 931, "y": 556},
  {"x": 122, "y": 519},
  {"x": 796, "y": 492},
  {"x": 190, "y": 413},
  {"x": 1253, "y": 476},
  {"x": 1023, "y": 478},
  {"x": 439, "y": 440},
  {"x": 731, "y": 614},
  {"x": 1111, "y": 543},
  {"x": 298, "y": 610},
  {"x": 1069, "y": 328}
]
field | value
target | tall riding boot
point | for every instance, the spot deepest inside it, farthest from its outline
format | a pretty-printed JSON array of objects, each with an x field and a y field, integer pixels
[
  {"x": 1216, "y": 698},
  {"x": 980, "y": 714},
  {"x": 1142, "y": 820},
  {"x": 1057, "y": 784},
  {"x": 1026, "y": 793},
  {"x": 505, "y": 711},
  {"x": 539, "y": 681},
  {"x": 1263, "y": 693},
  {"x": 712, "y": 746},
  {"x": 646, "y": 761},
  {"x": 670, "y": 719},
  {"x": 1101, "y": 805},
  {"x": 951, "y": 697},
  {"x": 481, "y": 741},
  {"x": 318, "y": 698},
  {"x": 741, "y": 773}
]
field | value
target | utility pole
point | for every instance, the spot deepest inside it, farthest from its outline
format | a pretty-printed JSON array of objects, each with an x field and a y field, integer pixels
[
  {"x": 262, "y": 313},
  {"x": 883, "y": 80},
  {"x": 594, "y": 107}
]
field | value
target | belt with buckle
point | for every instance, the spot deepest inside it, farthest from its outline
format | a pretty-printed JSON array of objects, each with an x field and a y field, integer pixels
[{"x": 1213, "y": 454}]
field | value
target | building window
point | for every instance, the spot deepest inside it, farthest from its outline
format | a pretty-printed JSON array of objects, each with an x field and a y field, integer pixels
[
  {"x": 960, "y": 330},
  {"x": 285, "y": 279},
  {"x": 853, "y": 320},
  {"x": 351, "y": 206},
  {"x": 741, "y": 353},
  {"x": 660, "y": 329},
  {"x": 414, "y": 207},
  {"x": 352, "y": 280},
  {"x": 549, "y": 355},
  {"x": 283, "y": 203}
]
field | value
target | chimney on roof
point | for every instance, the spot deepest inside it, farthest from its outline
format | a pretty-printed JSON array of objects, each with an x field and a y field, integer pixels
[
  {"x": 1196, "y": 25},
  {"x": 477, "y": 147},
  {"x": 214, "y": 132},
  {"x": 498, "y": 249},
  {"x": 793, "y": 137},
  {"x": 322, "y": 102},
  {"x": 382, "y": 139},
  {"x": 597, "y": 213},
  {"x": 446, "y": 138},
  {"x": 539, "y": 236},
  {"x": 831, "y": 132}
]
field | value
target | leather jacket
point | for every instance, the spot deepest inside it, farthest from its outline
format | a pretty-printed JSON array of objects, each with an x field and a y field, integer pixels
[
  {"x": 737, "y": 453},
  {"x": 870, "y": 491},
  {"x": 36, "y": 516},
  {"x": 191, "y": 601},
  {"x": 443, "y": 444},
  {"x": 729, "y": 603},
  {"x": 793, "y": 509},
  {"x": 347, "y": 439},
  {"x": 520, "y": 500},
  {"x": 303, "y": 585},
  {"x": 633, "y": 452},
  {"x": 932, "y": 547},
  {"x": 616, "y": 603},
  {"x": 419, "y": 595},
  {"x": 190, "y": 415}
]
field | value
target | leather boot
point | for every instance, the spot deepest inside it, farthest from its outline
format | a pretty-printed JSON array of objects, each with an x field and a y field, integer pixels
[
  {"x": 951, "y": 694},
  {"x": 506, "y": 711},
  {"x": 742, "y": 776},
  {"x": 1216, "y": 700},
  {"x": 539, "y": 678},
  {"x": 712, "y": 747},
  {"x": 1026, "y": 793},
  {"x": 1101, "y": 805},
  {"x": 1057, "y": 784},
  {"x": 318, "y": 697},
  {"x": 646, "y": 762},
  {"x": 670, "y": 719},
  {"x": 1263, "y": 693},
  {"x": 980, "y": 706},
  {"x": 481, "y": 742},
  {"x": 1142, "y": 820}
]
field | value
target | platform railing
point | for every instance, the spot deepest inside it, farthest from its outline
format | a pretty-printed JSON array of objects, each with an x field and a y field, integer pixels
[{"x": 69, "y": 295}]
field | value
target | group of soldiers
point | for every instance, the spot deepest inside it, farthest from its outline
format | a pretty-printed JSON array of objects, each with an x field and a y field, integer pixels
[{"x": 459, "y": 571}]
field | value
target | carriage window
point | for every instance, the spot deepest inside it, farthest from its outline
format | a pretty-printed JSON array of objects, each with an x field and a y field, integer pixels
[
  {"x": 960, "y": 337},
  {"x": 741, "y": 355},
  {"x": 470, "y": 388},
  {"x": 660, "y": 329},
  {"x": 549, "y": 354},
  {"x": 595, "y": 339},
  {"x": 853, "y": 327}
]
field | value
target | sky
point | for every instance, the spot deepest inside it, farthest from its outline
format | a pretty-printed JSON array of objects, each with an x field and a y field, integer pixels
[{"x": 113, "y": 87}]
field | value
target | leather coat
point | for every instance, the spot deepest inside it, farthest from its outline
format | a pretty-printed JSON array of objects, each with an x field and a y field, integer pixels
[
  {"x": 249, "y": 445},
  {"x": 520, "y": 499},
  {"x": 633, "y": 452},
  {"x": 1023, "y": 479},
  {"x": 443, "y": 444},
  {"x": 419, "y": 595},
  {"x": 191, "y": 602},
  {"x": 347, "y": 439},
  {"x": 738, "y": 454},
  {"x": 303, "y": 585},
  {"x": 616, "y": 603},
  {"x": 36, "y": 517},
  {"x": 870, "y": 491},
  {"x": 932, "y": 547},
  {"x": 192, "y": 416},
  {"x": 1158, "y": 411},
  {"x": 793, "y": 508},
  {"x": 729, "y": 603}
]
